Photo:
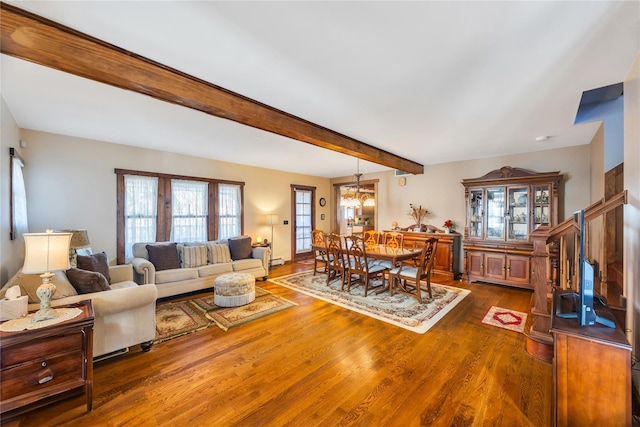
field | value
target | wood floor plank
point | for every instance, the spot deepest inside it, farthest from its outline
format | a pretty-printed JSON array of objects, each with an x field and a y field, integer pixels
[{"x": 318, "y": 364}]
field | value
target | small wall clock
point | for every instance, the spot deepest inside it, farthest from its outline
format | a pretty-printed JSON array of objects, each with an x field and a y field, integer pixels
[{"x": 322, "y": 201}]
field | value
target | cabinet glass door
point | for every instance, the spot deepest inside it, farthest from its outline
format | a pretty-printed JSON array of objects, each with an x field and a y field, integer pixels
[
  {"x": 475, "y": 213},
  {"x": 495, "y": 213},
  {"x": 518, "y": 221},
  {"x": 540, "y": 206}
]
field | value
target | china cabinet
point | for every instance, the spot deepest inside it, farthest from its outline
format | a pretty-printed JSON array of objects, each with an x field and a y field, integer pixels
[{"x": 503, "y": 208}]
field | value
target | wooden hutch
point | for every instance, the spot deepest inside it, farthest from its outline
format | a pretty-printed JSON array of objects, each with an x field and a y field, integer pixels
[{"x": 503, "y": 208}]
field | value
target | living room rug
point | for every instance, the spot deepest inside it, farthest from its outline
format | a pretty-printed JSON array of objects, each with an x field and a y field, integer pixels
[
  {"x": 174, "y": 319},
  {"x": 229, "y": 317},
  {"x": 505, "y": 318},
  {"x": 399, "y": 310}
]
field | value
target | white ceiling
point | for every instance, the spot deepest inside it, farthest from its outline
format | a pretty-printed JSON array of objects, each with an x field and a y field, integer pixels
[{"x": 429, "y": 81}]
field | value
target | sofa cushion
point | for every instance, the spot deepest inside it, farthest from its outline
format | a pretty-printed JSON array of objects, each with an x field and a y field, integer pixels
[
  {"x": 164, "y": 256},
  {"x": 97, "y": 262},
  {"x": 246, "y": 264},
  {"x": 86, "y": 282},
  {"x": 214, "y": 269},
  {"x": 175, "y": 275},
  {"x": 192, "y": 256},
  {"x": 29, "y": 284},
  {"x": 218, "y": 253},
  {"x": 240, "y": 247}
]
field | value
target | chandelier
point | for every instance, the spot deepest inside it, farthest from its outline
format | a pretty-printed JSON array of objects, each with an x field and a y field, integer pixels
[{"x": 356, "y": 199}]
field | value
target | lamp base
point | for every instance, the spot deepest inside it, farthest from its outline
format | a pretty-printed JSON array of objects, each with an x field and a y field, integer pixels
[{"x": 45, "y": 291}]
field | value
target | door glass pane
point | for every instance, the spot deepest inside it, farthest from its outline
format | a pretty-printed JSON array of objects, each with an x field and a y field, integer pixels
[
  {"x": 475, "y": 213},
  {"x": 518, "y": 213},
  {"x": 303, "y": 221},
  {"x": 495, "y": 213},
  {"x": 540, "y": 206}
]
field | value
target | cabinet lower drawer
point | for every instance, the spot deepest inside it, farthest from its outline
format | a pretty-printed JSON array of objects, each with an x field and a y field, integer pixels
[{"x": 41, "y": 374}]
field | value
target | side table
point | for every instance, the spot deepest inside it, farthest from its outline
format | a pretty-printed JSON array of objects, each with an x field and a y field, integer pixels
[{"x": 44, "y": 365}]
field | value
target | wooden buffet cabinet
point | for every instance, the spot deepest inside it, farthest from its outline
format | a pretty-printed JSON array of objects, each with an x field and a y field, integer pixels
[
  {"x": 591, "y": 371},
  {"x": 447, "y": 260},
  {"x": 503, "y": 208},
  {"x": 40, "y": 366}
]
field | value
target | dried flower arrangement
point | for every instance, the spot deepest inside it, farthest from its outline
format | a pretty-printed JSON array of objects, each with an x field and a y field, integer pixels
[{"x": 417, "y": 213}]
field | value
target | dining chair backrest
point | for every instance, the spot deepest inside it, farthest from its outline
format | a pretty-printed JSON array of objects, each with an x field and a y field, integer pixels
[
  {"x": 335, "y": 252},
  {"x": 371, "y": 237},
  {"x": 394, "y": 240},
  {"x": 317, "y": 237},
  {"x": 357, "y": 254},
  {"x": 427, "y": 258}
]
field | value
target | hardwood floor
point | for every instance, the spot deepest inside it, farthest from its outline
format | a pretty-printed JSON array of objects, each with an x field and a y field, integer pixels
[{"x": 319, "y": 364}]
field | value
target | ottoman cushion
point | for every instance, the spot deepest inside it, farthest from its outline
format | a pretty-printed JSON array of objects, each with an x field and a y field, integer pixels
[{"x": 234, "y": 289}]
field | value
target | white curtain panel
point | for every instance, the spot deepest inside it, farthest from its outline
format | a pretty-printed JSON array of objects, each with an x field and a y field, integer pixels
[
  {"x": 140, "y": 211},
  {"x": 189, "y": 210},
  {"x": 229, "y": 202}
]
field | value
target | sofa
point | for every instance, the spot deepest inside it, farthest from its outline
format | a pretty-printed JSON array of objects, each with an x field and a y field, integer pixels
[
  {"x": 178, "y": 268},
  {"x": 124, "y": 315}
]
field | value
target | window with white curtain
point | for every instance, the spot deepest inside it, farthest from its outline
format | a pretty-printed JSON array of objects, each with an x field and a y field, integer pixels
[
  {"x": 19, "y": 224},
  {"x": 140, "y": 211},
  {"x": 162, "y": 207},
  {"x": 229, "y": 211},
  {"x": 189, "y": 210}
]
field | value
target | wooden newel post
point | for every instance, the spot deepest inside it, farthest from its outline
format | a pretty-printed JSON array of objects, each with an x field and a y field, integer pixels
[{"x": 540, "y": 270}]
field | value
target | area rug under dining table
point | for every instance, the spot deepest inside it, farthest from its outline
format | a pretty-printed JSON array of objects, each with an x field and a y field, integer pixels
[{"x": 400, "y": 309}]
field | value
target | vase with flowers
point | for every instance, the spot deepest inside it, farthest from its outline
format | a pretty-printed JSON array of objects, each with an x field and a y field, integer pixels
[
  {"x": 417, "y": 213},
  {"x": 449, "y": 225}
]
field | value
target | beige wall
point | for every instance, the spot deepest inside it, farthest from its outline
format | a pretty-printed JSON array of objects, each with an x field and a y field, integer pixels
[
  {"x": 440, "y": 190},
  {"x": 596, "y": 226},
  {"x": 11, "y": 251},
  {"x": 71, "y": 184}
]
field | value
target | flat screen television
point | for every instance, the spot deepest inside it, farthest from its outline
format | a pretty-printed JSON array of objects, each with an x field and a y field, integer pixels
[{"x": 582, "y": 307}]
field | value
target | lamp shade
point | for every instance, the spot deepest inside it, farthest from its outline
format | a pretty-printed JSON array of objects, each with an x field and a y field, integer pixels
[
  {"x": 272, "y": 219},
  {"x": 46, "y": 252},
  {"x": 79, "y": 239}
]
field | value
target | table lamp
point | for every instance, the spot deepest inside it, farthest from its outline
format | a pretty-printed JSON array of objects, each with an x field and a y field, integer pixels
[
  {"x": 79, "y": 240},
  {"x": 44, "y": 253}
]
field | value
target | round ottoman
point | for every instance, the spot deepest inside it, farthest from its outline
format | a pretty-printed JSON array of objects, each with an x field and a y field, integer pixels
[{"x": 234, "y": 289}]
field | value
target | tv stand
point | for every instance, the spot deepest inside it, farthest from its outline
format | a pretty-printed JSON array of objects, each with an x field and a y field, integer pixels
[
  {"x": 591, "y": 370},
  {"x": 575, "y": 307}
]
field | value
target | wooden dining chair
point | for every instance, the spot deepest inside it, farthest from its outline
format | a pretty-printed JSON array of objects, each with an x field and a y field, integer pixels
[
  {"x": 407, "y": 279},
  {"x": 394, "y": 240},
  {"x": 371, "y": 237},
  {"x": 337, "y": 266},
  {"x": 360, "y": 269},
  {"x": 320, "y": 256}
]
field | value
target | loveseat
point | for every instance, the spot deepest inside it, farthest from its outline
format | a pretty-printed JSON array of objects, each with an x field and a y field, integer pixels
[
  {"x": 177, "y": 268},
  {"x": 123, "y": 316}
]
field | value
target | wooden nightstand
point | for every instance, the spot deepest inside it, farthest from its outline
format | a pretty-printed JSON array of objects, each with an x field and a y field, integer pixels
[{"x": 41, "y": 366}]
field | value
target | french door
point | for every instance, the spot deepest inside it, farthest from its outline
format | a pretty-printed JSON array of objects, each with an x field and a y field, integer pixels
[{"x": 303, "y": 206}]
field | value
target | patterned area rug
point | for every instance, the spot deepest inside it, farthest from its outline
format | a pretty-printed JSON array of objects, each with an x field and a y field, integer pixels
[
  {"x": 505, "y": 318},
  {"x": 400, "y": 310},
  {"x": 229, "y": 317},
  {"x": 174, "y": 319}
]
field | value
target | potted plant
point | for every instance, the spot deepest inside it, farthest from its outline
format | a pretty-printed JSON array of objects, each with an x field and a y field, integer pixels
[{"x": 449, "y": 226}]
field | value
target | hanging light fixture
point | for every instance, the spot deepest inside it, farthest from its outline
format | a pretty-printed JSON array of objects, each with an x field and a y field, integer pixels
[{"x": 354, "y": 200}]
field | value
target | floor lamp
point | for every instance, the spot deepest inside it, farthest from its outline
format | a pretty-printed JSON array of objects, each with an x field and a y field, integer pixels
[{"x": 272, "y": 219}]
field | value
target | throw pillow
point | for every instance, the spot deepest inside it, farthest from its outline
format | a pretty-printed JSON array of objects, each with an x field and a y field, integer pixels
[
  {"x": 194, "y": 256},
  {"x": 164, "y": 257},
  {"x": 96, "y": 262},
  {"x": 240, "y": 247},
  {"x": 86, "y": 282},
  {"x": 218, "y": 253}
]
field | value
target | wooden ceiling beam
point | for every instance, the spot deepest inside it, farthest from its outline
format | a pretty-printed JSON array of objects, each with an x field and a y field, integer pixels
[{"x": 33, "y": 38}]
